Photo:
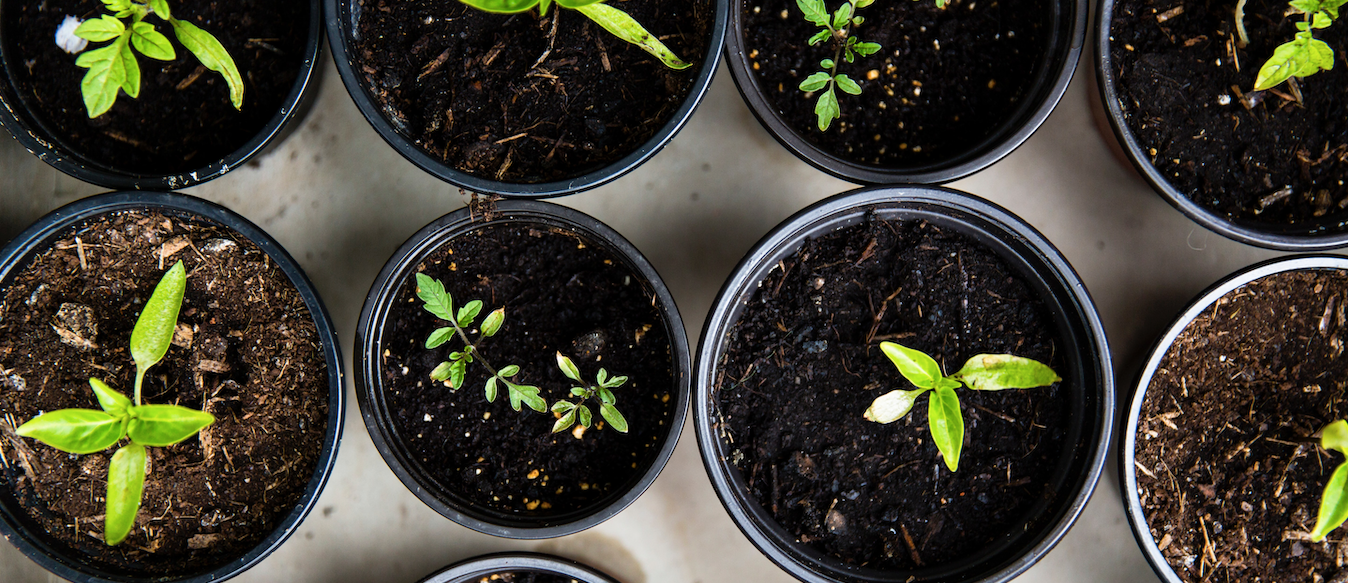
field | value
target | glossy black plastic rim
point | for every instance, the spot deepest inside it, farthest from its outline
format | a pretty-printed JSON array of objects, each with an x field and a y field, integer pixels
[
  {"x": 37, "y": 137},
  {"x": 369, "y": 392},
  {"x": 14, "y": 524},
  {"x": 342, "y": 20},
  {"x": 1066, "y": 41},
  {"x": 1039, "y": 263},
  {"x": 471, "y": 570},
  {"x": 1132, "y": 503},
  {"x": 1314, "y": 237}
]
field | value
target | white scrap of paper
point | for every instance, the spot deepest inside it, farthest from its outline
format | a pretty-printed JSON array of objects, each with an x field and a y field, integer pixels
[{"x": 65, "y": 36}]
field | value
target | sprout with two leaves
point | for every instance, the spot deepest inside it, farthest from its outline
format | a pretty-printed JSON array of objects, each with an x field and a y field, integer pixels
[
  {"x": 617, "y": 22},
  {"x": 441, "y": 304},
  {"x": 984, "y": 372},
  {"x": 113, "y": 67},
  {"x": 84, "y": 431},
  {"x": 578, "y": 412}
]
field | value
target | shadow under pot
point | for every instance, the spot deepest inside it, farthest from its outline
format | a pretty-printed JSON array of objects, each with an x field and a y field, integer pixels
[
  {"x": 464, "y": 391},
  {"x": 1254, "y": 166},
  {"x": 928, "y": 95},
  {"x": 1221, "y": 466},
  {"x": 560, "y": 107},
  {"x": 252, "y": 346},
  {"x": 183, "y": 127},
  {"x": 519, "y": 568},
  {"x": 793, "y": 360}
]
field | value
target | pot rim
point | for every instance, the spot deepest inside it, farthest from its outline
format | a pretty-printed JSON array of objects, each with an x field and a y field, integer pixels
[
  {"x": 1061, "y": 57},
  {"x": 1128, "y": 429},
  {"x": 36, "y": 136},
  {"x": 467, "y": 570},
  {"x": 1075, "y": 313},
  {"x": 36, "y": 238},
  {"x": 1314, "y": 237},
  {"x": 369, "y": 394},
  {"x": 341, "y": 19}
]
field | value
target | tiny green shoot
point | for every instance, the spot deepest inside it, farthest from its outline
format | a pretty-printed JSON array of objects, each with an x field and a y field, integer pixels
[
  {"x": 439, "y": 303},
  {"x": 113, "y": 67},
  {"x": 84, "y": 431},
  {"x": 578, "y": 412},
  {"x": 1304, "y": 55},
  {"x": 983, "y": 372},
  {"x": 617, "y": 22},
  {"x": 1334, "y": 502},
  {"x": 836, "y": 28}
]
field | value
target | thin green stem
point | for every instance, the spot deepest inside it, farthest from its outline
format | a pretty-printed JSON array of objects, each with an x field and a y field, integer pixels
[
  {"x": 140, "y": 378},
  {"x": 470, "y": 347}
]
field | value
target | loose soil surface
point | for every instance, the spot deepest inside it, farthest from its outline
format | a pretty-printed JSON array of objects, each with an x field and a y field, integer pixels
[
  {"x": 183, "y": 119},
  {"x": 804, "y": 364},
  {"x": 246, "y": 346},
  {"x": 561, "y": 292},
  {"x": 1228, "y": 472},
  {"x": 1186, "y": 92},
  {"x": 945, "y": 80},
  {"x": 525, "y": 577},
  {"x": 524, "y": 99}
]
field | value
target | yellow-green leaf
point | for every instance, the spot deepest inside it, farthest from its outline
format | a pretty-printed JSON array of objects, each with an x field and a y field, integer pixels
[
  {"x": 111, "y": 401},
  {"x": 492, "y": 323},
  {"x": 151, "y": 42},
  {"x": 1335, "y": 436},
  {"x": 995, "y": 372},
  {"x": 623, "y": 26},
  {"x": 100, "y": 29},
  {"x": 75, "y": 430},
  {"x": 914, "y": 365},
  {"x": 501, "y": 6},
  {"x": 946, "y": 424},
  {"x": 1333, "y": 504},
  {"x": 126, "y": 482},
  {"x": 615, "y": 419},
  {"x": 161, "y": 425},
  {"x": 153, "y": 333},
  {"x": 212, "y": 55},
  {"x": 438, "y": 301},
  {"x": 107, "y": 73}
]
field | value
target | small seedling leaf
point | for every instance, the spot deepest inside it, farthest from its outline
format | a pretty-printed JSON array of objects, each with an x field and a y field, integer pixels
[
  {"x": 562, "y": 406},
  {"x": 583, "y": 416},
  {"x": 820, "y": 36},
  {"x": 75, "y": 430},
  {"x": 126, "y": 482},
  {"x": 815, "y": 82},
  {"x": 1335, "y": 437},
  {"x": 501, "y": 6},
  {"x": 606, "y": 396},
  {"x": 579, "y": 392},
  {"x": 814, "y": 11},
  {"x": 111, "y": 401},
  {"x": 1321, "y": 20},
  {"x": 161, "y": 9},
  {"x": 510, "y": 370},
  {"x": 131, "y": 85},
  {"x": 100, "y": 29},
  {"x": 842, "y": 15},
  {"x": 826, "y": 64},
  {"x": 616, "y": 382},
  {"x": 438, "y": 301},
  {"x": 153, "y": 333},
  {"x": 469, "y": 312},
  {"x": 161, "y": 425},
  {"x": 892, "y": 406},
  {"x": 439, "y": 337},
  {"x": 1333, "y": 504},
  {"x": 602, "y": 377},
  {"x": 864, "y": 3},
  {"x": 441, "y": 372},
  {"x": 457, "y": 369},
  {"x": 826, "y": 109},
  {"x": 491, "y": 390},
  {"x": 914, "y": 365},
  {"x": 867, "y": 49},
  {"x": 995, "y": 372},
  {"x": 946, "y": 425},
  {"x": 568, "y": 368},
  {"x": 212, "y": 55},
  {"x": 626, "y": 28},
  {"x": 615, "y": 419},
  {"x": 493, "y": 322},
  {"x": 1305, "y": 6},
  {"x": 576, "y": 3},
  {"x": 151, "y": 42},
  {"x": 565, "y": 421},
  {"x": 107, "y": 73},
  {"x": 847, "y": 85}
]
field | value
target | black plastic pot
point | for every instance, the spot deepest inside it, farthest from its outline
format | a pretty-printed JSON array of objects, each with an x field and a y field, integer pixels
[
  {"x": 370, "y": 390},
  {"x": 1039, "y": 264},
  {"x": 31, "y": 539},
  {"x": 45, "y": 143},
  {"x": 1066, "y": 38},
  {"x": 1319, "y": 235},
  {"x": 343, "y": 18},
  {"x": 474, "y": 569},
  {"x": 1128, "y": 428}
]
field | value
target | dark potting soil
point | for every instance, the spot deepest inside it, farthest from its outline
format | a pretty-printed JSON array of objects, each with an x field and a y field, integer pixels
[
  {"x": 1181, "y": 84},
  {"x": 525, "y": 577},
  {"x": 468, "y": 87},
  {"x": 246, "y": 345},
  {"x": 183, "y": 118},
  {"x": 804, "y": 364},
  {"x": 945, "y": 80},
  {"x": 561, "y": 292},
  {"x": 1228, "y": 473}
]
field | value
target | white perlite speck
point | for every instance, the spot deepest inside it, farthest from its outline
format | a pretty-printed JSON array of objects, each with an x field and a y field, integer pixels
[{"x": 65, "y": 36}]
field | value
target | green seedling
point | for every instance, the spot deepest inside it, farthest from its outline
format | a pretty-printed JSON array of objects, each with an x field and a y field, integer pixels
[
  {"x": 1334, "y": 502},
  {"x": 984, "y": 372},
  {"x": 113, "y": 67},
  {"x": 83, "y": 431},
  {"x": 578, "y": 412},
  {"x": 453, "y": 371},
  {"x": 836, "y": 28},
  {"x": 1304, "y": 55},
  {"x": 617, "y": 22}
]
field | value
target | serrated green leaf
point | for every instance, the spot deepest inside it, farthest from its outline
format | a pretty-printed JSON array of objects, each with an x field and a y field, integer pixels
[
  {"x": 492, "y": 323},
  {"x": 161, "y": 9},
  {"x": 568, "y": 368},
  {"x": 1305, "y": 6},
  {"x": 565, "y": 421},
  {"x": 614, "y": 418},
  {"x": 151, "y": 42},
  {"x": 827, "y": 109},
  {"x": 111, "y": 401},
  {"x": 117, "y": 5},
  {"x": 104, "y": 28},
  {"x": 437, "y": 301},
  {"x": 914, "y": 365},
  {"x": 468, "y": 313},
  {"x": 490, "y": 389},
  {"x": 1333, "y": 504},
  {"x": 946, "y": 425},
  {"x": 583, "y": 416},
  {"x": 815, "y": 82},
  {"x": 132, "y": 83},
  {"x": 441, "y": 372},
  {"x": 107, "y": 73},
  {"x": 626, "y": 28},
  {"x": 126, "y": 482},
  {"x": 1320, "y": 20},
  {"x": 526, "y": 394},
  {"x": 606, "y": 395},
  {"x": 842, "y": 15},
  {"x": 501, "y": 6},
  {"x": 510, "y": 370},
  {"x": 212, "y": 55},
  {"x": 813, "y": 11},
  {"x": 892, "y": 406},
  {"x": 820, "y": 36},
  {"x": 867, "y": 49},
  {"x": 1332, "y": 7},
  {"x": 1299, "y": 57},
  {"x": 439, "y": 337},
  {"x": 75, "y": 430},
  {"x": 996, "y": 372},
  {"x": 847, "y": 85},
  {"x": 163, "y": 425},
  {"x": 1321, "y": 57},
  {"x": 153, "y": 333}
]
